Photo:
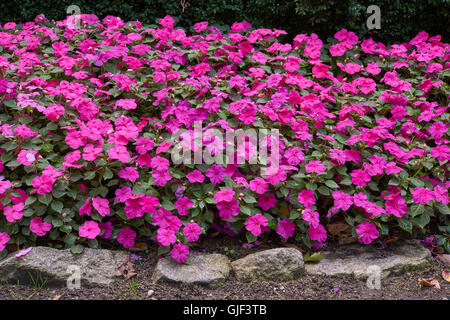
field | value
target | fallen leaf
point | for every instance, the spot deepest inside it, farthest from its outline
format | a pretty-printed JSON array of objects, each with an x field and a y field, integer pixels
[
  {"x": 291, "y": 245},
  {"x": 341, "y": 231},
  {"x": 57, "y": 297},
  {"x": 285, "y": 212},
  {"x": 391, "y": 239},
  {"x": 315, "y": 257},
  {"x": 139, "y": 246},
  {"x": 446, "y": 275},
  {"x": 444, "y": 259},
  {"x": 215, "y": 234},
  {"x": 125, "y": 268},
  {"x": 431, "y": 282}
]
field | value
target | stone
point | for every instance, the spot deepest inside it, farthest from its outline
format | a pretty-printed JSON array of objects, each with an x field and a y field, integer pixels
[
  {"x": 207, "y": 269},
  {"x": 362, "y": 261},
  {"x": 280, "y": 264},
  {"x": 52, "y": 267}
]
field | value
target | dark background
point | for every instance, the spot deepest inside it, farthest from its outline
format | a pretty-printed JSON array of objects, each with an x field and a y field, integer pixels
[{"x": 400, "y": 19}]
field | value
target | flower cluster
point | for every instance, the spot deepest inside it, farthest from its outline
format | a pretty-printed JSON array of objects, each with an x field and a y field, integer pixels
[{"x": 88, "y": 117}]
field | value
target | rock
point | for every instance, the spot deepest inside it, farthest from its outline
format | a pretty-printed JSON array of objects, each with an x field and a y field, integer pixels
[
  {"x": 281, "y": 264},
  {"x": 52, "y": 267},
  {"x": 361, "y": 261},
  {"x": 150, "y": 293},
  {"x": 206, "y": 269}
]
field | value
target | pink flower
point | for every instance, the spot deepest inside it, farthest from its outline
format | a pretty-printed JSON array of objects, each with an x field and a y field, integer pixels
[
  {"x": 294, "y": 156},
  {"x": 4, "y": 185},
  {"x": 367, "y": 231},
  {"x": 195, "y": 176},
  {"x": 90, "y": 152},
  {"x": 318, "y": 234},
  {"x": 360, "y": 177},
  {"x": 126, "y": 237},
  {"x": 122, "y": 194},
  {"x": 86, "y": 208},
  {"x": 422, "y": 195},
  {"x": 438, "y": 129},
  {"x": 129, "y": 173},
  {"x": 4, "y": 238},
  {"x": 285, "y": 228},
  {"x": 441, "y": 195},
  {"x": 127, "y": 104},
  {"x": 342, "y": 200},
  {"x": 373, "y": 68},
  {"x": 40, "y": 227},
  {"x": 119, "y": 152},
  {"x": 144, "y": 144},
  {"x": 108, "y": 228},
  {"x": 89, "y": 229},
  {"x": 101, "y": 205},
  {"x": 161, "y": 177},
  {"x": 216, "y": 173},
  {"x": 14, "y": 213},
  {"x": 267, "y": 201},
  {"x": 259, "y": 185},
  {"x": 315, "y": 166},
  {"x": 224, "y": 195},
  {"x": 192, "y": 231},
  {"x": 312, "y": 217},
  {"x": 180, "y": 252},
  {"x": 26, "y": 157},
  {"x": 183, "y": 204},
  {"x": 165, "y": 237},
  {"x": 306, "y": 197},
  {"x": 228, "y": 209},
  {"x": 396, "y": 205},
  {"x": 254, "y": 224},
  {"x": 200, "y": 26}
]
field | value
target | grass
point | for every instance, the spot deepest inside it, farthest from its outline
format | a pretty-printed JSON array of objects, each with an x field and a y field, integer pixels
[{"x": 38, "y": 281}]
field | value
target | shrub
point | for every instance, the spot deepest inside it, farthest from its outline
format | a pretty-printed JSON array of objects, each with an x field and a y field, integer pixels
[{"x": 90, "y": 118}]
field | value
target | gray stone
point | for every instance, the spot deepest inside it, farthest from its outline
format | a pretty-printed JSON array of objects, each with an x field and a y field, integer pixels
[
  {"x": 50, "y": 267},
  {"x": 362, "y": 261},
  {"x": 280, "y": 264},
  {"x": 206, "y": 269}
]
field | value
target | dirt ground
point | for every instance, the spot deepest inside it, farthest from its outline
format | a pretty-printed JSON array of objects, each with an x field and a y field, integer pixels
[{"x": 140, "y": 287}]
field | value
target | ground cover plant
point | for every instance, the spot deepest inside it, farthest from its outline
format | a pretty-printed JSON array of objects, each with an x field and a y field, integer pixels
[{"x": 89, "y": 112}]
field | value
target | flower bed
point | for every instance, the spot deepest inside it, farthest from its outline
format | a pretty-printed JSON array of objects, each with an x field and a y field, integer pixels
[{"x": 89, "y": 115}]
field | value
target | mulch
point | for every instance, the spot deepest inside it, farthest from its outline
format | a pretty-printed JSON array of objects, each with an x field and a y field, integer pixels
[{"x": 401, "y": 287}]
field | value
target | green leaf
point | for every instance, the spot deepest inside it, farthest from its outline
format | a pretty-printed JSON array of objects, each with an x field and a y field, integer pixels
[
  {"x": 77, "y": 249},
  {"x": 250, "y": 237},
  {"x": 315, "y": 257},
  {"x": 168, "y": 205},
  {"x": 416, "y": 209},
  {"x": 45, "y": 198},
  {"x": 108, "y": 174},
  {"x": 405, "y": 224},
  {"x": 331, "y": 184},
  {"x": 57, "y": 206},
  {"x": 443, "y": 208},
  {"x": 249, "y": 199}
]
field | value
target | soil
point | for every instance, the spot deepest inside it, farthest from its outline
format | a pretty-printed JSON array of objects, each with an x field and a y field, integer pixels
[{"x": 402, "y": 287}]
